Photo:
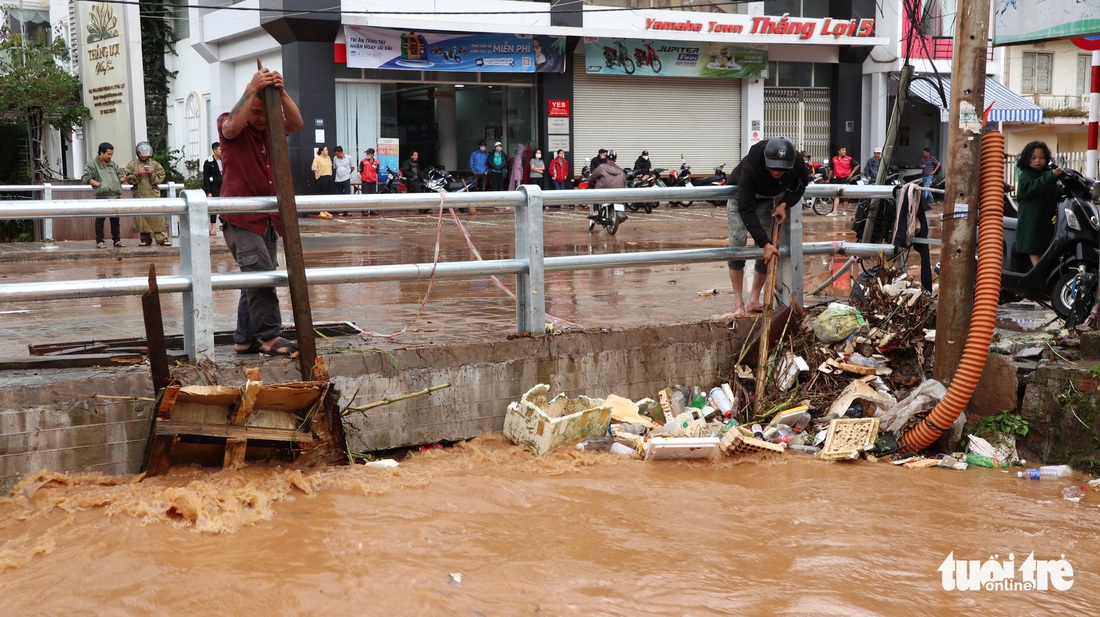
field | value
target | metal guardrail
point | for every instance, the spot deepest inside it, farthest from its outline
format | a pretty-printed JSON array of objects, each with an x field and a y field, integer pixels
[
  {"x": 196, "y": 283},
  {"x": 48, "y": 189}
]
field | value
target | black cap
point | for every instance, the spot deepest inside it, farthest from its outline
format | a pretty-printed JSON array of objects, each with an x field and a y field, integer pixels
[
  {"x": 481, "y": 143},
  {"x": 602, "y": 151},
  {"x": 645, "y": 152}
]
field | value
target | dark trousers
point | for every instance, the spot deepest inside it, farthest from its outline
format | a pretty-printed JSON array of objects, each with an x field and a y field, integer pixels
[
  {"x": 258, "y": 316},
  {"x": 900, "y": 241},
  {"x": 496, "y": 181},
  {"x": 369, "y": 188},
  {"x": 324, "y": 185},
  {"x": 343, "y": 187},
  {"x": 539, "y": 182},
  {"x": 116, "y": 229},
  {"x": 558, "y": 185},
  {"x": 481, "y": 181}
]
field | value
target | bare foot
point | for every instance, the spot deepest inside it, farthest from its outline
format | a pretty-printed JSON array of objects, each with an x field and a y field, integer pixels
[
  {"x": 739, "y": 311},
  {"x": 756, "y": 307}
]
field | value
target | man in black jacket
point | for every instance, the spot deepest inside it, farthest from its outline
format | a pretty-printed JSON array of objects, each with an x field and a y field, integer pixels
[
  {"x": 212, "y": 180},
  {"x": 772, "y": 168}
]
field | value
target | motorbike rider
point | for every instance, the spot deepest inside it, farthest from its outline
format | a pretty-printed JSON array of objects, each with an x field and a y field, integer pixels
[
  {"x": 607, "y": 176},
  {"x": 643, "y": 169},
  {"x": 773, "y": 168},
  {"x": 601, "y": 158}
]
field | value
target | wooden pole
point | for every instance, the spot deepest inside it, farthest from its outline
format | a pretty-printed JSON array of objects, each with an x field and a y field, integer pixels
[
  {"x": 292, "y": 240},
  {"x": 963, "y": 171},
  {"x": 154, "y": 333},
  {"x": 765, "y": 329}
]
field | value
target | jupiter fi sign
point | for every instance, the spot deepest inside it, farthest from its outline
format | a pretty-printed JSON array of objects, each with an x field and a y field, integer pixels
[{"x": 110, "y": 42}]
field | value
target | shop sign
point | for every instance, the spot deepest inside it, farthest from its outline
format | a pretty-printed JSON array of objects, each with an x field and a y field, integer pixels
[
  {"x": 403, "y": 50},
  {"x": 673, "y": 59},
  {"x": 557, "y": 126},
  {"x": 737, "y": 28},
  {"x": 558, "y": 108},
  {"x": 106, "y": 69}
]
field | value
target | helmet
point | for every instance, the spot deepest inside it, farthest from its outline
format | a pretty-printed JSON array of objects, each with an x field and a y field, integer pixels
[
  {"x": 143, "y": 149},
  {"x": 611, "y": 154},
  {"x": 779, "y": 154}
]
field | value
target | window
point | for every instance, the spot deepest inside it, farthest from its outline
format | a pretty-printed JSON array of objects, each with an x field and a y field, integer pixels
[
  {"x": 797, "y": 8},
  {"x": 1036, "y": 72},
  {"x": 1084, "y": 71},
  {"x": 799, "y": 75},
  {"x": 938, "y": 17}
]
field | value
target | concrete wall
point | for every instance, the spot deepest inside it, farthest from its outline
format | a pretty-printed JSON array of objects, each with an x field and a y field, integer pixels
[
  {"x": 1062, "y": 407},
  {"x": 55, "y": 423}
]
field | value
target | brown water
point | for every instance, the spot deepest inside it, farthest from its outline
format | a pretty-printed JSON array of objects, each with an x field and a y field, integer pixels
[{"x": 486, "y": 529}]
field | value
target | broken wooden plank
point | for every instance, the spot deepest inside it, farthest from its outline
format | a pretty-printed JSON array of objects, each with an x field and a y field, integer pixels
[
  {"x": 235, "y": 448},
  {"x": 170, "y": 427},
  {"x": 74, "y": 361},
  {"x": 154, "y": 333}
]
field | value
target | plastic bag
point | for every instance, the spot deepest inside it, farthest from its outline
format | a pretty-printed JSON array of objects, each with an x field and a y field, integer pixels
[{"x": 837, "y": 322}]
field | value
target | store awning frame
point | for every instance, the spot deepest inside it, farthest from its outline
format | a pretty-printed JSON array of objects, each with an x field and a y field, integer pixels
[{"x": 1007, "y": 105}]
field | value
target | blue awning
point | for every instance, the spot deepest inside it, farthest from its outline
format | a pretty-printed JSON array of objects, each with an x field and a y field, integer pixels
[{"x": 1007, "y": 105}]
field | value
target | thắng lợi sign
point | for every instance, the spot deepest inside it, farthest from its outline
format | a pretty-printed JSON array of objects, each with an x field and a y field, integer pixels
[
  {"x": 673, "y": 58},
  {"x": 379, "y": 48}
]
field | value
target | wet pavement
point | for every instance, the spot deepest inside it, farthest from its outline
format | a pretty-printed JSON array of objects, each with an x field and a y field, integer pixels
[{"x": 456, "y": 310}]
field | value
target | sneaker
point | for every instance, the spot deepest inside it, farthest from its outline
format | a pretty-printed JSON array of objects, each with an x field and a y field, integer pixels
[
  {"x": 101, "y": 245},
  {"x": 324, "y": 215}
]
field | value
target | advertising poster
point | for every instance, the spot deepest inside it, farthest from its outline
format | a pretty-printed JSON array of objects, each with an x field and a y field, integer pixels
[
  {"x": 386, "y": 153},
  {"x": 674, "y": 59},
  {"x": 1020, "y": 21},
  {"x": 378, "y": 48}
]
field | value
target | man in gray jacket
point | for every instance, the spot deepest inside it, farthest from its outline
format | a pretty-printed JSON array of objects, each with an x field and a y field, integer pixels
[{"x": 106, "y": 179}]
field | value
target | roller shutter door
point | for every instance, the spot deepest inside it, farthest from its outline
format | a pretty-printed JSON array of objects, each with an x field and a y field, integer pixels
[{"x": 669, "y": 116}]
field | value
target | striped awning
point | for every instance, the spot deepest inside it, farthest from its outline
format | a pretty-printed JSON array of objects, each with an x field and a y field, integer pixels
[{"x": 1007, "y": 105}]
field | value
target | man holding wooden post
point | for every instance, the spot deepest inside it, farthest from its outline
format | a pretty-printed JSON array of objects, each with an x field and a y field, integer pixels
[{"x": 252, "y": 237}]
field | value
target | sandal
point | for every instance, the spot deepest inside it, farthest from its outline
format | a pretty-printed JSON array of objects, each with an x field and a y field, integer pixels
[
  {"x": 252, "y": 349},
  {"x": 165, "y": 243},
  {"x": 119, "y": 244},
  {"x": 101, "y": 245},
  {"x": 145, "y": 243},
  {"x": 281, "y": 347}
]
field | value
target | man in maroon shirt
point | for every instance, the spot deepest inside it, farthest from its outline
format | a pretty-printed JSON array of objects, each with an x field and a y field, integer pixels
[{"x": 252, "y": 237}]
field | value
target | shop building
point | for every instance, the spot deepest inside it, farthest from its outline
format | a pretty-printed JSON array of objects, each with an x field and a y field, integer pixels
[{"x": 679, "y": 83}]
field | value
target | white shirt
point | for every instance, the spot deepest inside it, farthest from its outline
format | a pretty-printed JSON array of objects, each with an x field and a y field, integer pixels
[{"x": 342, "y": 168}]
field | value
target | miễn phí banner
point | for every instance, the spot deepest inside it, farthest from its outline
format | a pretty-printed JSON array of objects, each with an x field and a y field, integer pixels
[{"x": 379, "y": 48}]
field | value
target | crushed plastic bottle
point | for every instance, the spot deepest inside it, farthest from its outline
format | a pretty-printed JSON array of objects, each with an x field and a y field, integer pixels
[
  {"x": 1046, "y": 472},
  {"x": 1074, "y": 493},
  {"x": 985, "y": 461}
]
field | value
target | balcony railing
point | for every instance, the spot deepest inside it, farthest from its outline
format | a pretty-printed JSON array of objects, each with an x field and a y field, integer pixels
[
  {"x": 1061, "y": 102},
  {"x": 938, "y": 48}
]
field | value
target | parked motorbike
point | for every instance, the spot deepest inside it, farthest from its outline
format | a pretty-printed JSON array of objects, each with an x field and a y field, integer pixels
[
  {"x": 618, "y": 56},
  {"x": 681, "y": 177},
  {"x": 820, "y": 205},
  {"x": 1066, "y": 275},
  {"x": 442, "y": 181},
  {"x": 718, "y": 179},
  {"x": 395, "y": 183},
  {"x": 648, "y": 57},
  {"x": 635, "y": 181}
]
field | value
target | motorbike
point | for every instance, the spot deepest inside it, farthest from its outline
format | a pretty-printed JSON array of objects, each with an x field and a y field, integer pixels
[
  {"x": 618, "y": 55},
  {"x": 718, "y": 179},
  {"x": 395, "y": 183},
  {"x": 820, "y": 205},
  {"x": 681, "y": 177},
  {"x": 652, "y": 179},
  {"x": 648, "y": 57},
  {"x": 1066, "y": 275},
  {"x": 609, "y": 216},
  {"x": 442, "y": 181}
]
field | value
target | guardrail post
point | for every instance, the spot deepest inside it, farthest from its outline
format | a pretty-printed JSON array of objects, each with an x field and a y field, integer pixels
[
  {"x": 47, "y": 224},
  {"x": 173, "y": 220},
  {"x": 198, "y": 303},
  {"x": 790, "y": 267},
  {"x": 530, "y": 287}
]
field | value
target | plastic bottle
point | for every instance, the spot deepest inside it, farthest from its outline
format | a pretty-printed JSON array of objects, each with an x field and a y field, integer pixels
[
  {"x": 984, "y": 461},
  {"x": 1074, "y": 493},
  {"x": 677, "y": 402},
  {"x": 1046, "y": 472},
  {"x": 698, "y": 401},
  {"x": 757, "y": 432},
  {"x": 721, "y": 402}
]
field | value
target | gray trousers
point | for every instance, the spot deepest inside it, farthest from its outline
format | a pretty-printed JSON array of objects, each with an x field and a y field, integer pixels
[
  {"x": 739, "y": 234},
  {"x": 258, "y": 317}
]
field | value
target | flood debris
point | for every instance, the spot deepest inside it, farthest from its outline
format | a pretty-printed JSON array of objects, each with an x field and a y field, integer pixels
[{"x": 538, "y": 423}]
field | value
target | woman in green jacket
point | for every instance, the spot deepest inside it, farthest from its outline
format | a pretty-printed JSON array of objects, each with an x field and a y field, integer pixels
[{"x": 1037, "y": 194}]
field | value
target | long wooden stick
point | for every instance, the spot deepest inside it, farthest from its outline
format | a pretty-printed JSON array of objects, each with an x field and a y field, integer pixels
[
  {"x": 765, "y": 321},
  {"x": 394, "y": 399},
  {"x": 292, "y": 240}
]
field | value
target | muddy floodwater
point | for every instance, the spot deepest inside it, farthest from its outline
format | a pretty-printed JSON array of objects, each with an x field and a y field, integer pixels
[{"x": 484, "y": 528}]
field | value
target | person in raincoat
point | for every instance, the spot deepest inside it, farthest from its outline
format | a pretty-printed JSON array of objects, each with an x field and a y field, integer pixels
[{"x": 145, "y": 173}]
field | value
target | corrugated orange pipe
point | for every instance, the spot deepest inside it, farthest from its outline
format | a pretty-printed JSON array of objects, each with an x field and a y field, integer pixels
[{"x": 990, "y": 258}]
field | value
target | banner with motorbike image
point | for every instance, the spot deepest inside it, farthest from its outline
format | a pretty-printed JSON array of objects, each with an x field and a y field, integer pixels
[
  {"x": 379, "y": 48},
  {"x": 674, "y": 59}
]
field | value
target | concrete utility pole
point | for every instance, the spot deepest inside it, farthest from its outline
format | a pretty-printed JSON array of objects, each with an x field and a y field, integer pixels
[{"x": 960, "y": 203}]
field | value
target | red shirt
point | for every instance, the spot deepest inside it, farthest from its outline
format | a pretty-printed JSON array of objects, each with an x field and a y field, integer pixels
[
  {"x": 246, "y": 172},
  {"x": 842, "y": 166},
  {"x": 370, "y": 169}
]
